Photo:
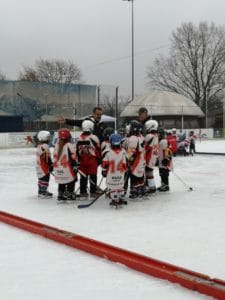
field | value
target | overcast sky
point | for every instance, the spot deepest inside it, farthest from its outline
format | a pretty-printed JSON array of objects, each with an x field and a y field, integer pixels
[{"x": 96, "y": 34}]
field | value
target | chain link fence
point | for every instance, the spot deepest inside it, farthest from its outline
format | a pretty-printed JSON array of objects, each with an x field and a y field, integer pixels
[{"x": 40, "y": 104}]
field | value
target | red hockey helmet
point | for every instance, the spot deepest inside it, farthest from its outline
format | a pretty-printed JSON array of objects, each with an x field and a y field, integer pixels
[{"x": 64, "y": 134}]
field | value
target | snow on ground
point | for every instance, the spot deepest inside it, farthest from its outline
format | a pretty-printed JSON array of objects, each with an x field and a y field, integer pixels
[{"x": 182, "y": 227}]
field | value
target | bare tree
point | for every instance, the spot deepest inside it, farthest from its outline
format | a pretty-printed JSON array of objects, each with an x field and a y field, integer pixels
[
  {"x": 195, "y": 66},
  {"x": 52, "y": 71},
  {"x": 28, "y": 74},
  {"x": 109, "y": 104}
]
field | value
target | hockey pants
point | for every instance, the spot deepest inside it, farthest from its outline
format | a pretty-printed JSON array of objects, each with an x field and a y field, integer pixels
[
  {"x": 43, "y": 183},
  {"x": 164, "y": 174},
  {"x": 83, "y": 183},
  {"x": 68, "y": 187}
]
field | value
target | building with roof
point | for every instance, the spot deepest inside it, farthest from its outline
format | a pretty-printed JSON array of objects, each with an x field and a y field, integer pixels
[{"x": 169, "y": 109}]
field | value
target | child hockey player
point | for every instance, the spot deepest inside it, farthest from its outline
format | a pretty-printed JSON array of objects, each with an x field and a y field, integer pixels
[
  {"x": 192, "y": 137},
  {"x": 165, "y": 161},
  {"x": 65, "y": 166},
  {"x": 135, "y": 145},
  {"x": 114, "y": 168},
  {"x": 172, "y": 142},
  {"x": 152, "y": 153},
  {"x": 105, "y": 145},
  {"x": 182, "y": 143},
  {"x": 88, "y": 154},
  {"x": 43, "y": 164}
]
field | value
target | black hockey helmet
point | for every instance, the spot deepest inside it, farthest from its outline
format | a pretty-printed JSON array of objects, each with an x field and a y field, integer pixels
[
  {"x": 122, "y": 132},
  {"x": 135, "y": 127},
  {"x": 161, "y": 132},
  {"x": 107, "y": 132}
]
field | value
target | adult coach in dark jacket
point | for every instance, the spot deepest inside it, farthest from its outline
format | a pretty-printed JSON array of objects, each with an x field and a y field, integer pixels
[
  {"x": 95, "y": 118},
  {"x": 143, "y": 117}
]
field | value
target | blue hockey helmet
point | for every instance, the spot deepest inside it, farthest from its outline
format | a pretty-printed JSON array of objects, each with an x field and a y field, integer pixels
[{"x": 115, "y": 139}]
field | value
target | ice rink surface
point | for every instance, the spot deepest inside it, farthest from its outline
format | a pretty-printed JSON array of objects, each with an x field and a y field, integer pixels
[{"x": 182, "y": 227}]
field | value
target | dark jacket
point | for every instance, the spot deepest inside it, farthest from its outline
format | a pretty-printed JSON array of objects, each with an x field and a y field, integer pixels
[
  {"x": 143, "y": 125},
  {"x": 98, "y": 126},
  {"x": 148, "y": 118}
]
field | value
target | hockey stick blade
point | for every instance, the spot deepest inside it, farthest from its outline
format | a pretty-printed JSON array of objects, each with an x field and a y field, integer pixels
[
  {"x": 182, "y": 181},
  {"x": 93, "y": 201}
]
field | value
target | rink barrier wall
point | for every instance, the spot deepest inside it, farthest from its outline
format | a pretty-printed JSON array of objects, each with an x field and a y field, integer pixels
[
  {"x": 210, "y": 153},
  {"x": 186, "y": 278},
  {"x": 21, "y": 139},
  {"x": 16, "y": 139}
]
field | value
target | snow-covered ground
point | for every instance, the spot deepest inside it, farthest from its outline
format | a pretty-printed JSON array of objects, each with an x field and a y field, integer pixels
[{"x": 182, "y": 227}]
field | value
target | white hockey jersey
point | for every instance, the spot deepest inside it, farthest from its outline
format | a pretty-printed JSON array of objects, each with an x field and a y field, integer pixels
[
  {"x": 43, "y": 160},
  {"x": 152, "y": 149},
  {"x": 63, "y": 167},
  {"x": 165, "y": 152},
  {"x": 88, "y": 145},
  {"x": 116, "y": 163},
  {"x": 105, "y": 145},
  {"x": 136, "y": 154}
]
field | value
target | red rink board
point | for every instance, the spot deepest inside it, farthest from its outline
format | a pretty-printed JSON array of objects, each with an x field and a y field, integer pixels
[{"x": 187, "y": 278}]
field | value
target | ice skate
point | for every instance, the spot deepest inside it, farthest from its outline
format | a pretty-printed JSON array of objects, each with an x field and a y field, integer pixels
[
  {"x": 122, "y": 202},
  {"x": 71, "y": 197},
  {"x": 44, "y": 194},
  {"x": 164, "y": 188},
  {"x": 61, "y": 197},
  {"x": 134, "y": 193},
  {"x": 82, "y": 196}
]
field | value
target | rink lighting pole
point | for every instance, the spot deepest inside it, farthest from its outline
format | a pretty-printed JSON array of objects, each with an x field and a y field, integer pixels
[
  {"x": 132, "y": 48},
  {"x": 46, "y": 110},
  {"x": 207, "y": 92}
]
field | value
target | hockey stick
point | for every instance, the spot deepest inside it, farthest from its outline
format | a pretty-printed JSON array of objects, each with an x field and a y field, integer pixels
[
  {"x": 91, "y": 181},
  {"x": 93, "y": 201},
  {"x": 76, "y": 191},
  {"x": 181, "y": 180},
  {"x": 100, "y": 182}
]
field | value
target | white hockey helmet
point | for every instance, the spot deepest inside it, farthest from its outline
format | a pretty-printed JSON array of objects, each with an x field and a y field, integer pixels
[
  {"x": 174, "y": 130},
  {"x": 151, "y": 125},
  {"x": 87, "y": 126},
  {"x": 43, "y": 136}
]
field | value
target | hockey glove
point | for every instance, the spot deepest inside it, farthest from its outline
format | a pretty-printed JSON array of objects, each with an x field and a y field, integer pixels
[
  {"x": 99, "y": 161},
  {"x": 104, "y": 173},
  {"x": 76, "y": 167}
]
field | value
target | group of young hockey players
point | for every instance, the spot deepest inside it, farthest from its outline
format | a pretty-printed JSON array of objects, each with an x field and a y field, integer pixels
[
  {"x": 127, "y": 162},
  {"x": 180, "y": 143}
]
